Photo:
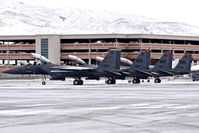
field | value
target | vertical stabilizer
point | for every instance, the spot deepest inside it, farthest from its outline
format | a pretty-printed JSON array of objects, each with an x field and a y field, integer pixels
[
  {"x": 111, "y": 60},
  {"x": 164, "y": 63},
  {"x": 142, "y": 61},
  {"x": 184, "y": 64}
]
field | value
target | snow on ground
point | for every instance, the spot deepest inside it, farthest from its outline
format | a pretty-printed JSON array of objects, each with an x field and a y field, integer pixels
[{"x": 27, "y": 106}]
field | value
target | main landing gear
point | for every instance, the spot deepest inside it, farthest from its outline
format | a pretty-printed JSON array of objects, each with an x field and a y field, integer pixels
[
  {"x": 78, "y": 81},
  {"x": 157, "y": 80},
  {"x": 135, "y": 81},
  {"x": 110, "y": 81}
]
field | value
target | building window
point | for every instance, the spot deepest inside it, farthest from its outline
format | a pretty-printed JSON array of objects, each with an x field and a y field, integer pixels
[{"x": 44, "y": 47}]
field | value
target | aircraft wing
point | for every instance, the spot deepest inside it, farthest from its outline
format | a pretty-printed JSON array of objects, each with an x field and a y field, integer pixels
[
  {"x": 73, "y": 68},
  {"x": 167, "y": 72},
  {"x": 155, "y": 74},
  {"x": 126, "y": 73},
  {"x": 60, "y": 71},
  {"x": 144, "y": 72},
  {"x": 113, "y": 72}
]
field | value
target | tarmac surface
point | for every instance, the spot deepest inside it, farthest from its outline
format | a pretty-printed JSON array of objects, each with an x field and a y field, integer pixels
[{"x": 26, "y": 106}]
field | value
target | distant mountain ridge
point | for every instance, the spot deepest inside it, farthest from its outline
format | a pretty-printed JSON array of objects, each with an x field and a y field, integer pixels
[{"x": 18, "y": 18}]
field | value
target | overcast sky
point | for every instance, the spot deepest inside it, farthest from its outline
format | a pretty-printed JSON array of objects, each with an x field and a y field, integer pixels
[{"x": 168, "y": 10}]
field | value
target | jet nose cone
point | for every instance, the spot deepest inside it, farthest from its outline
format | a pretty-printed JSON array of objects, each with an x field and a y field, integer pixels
[{"x": 10, "y": 71}]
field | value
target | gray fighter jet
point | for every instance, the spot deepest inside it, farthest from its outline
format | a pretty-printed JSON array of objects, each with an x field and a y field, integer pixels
[
  {"x": 164, "y": 66},
  {"x": 108, "y": 68},
  {"x": 140, "y": 67}
]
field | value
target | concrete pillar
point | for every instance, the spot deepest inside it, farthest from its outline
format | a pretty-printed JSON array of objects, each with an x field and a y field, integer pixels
[
  {"x": 38, "y": 44},
  {"x": 54, "y": 47},
  {"x": 89, "y": 50},
  {"x": 8, "y": 61},
  {"x": 161, "y": 50},
  {"x": 89, "y": 60}
]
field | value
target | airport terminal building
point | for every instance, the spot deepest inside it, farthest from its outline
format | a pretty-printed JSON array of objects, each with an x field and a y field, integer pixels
[{"x": 56, "y": 47}]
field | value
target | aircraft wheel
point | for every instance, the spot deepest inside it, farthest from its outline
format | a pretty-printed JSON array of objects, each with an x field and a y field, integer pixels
[
  {"x": 134, "y": 81},
  {"x": 137, "y": 81},
  {"x": 129, "y": 81},
  {"x": 75, "y": 82},
  {"x": 109, "y": 81},
  {"x": 113, "y": 81},
  {"x": 80, "y": 82},
  {"x": 43, "y": 83},
  {"x": 148, "y": 80},
  {"x": 157, "y": 80}
]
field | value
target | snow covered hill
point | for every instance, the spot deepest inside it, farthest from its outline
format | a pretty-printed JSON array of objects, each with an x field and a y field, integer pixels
[{"x": 20, "y": 18}]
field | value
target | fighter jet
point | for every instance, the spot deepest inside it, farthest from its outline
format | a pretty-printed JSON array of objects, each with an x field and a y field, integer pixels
[
  {"x": 108, "y": 68},
  {"x": 140, "y": 67},
  {"x": 164, "y": 66}
]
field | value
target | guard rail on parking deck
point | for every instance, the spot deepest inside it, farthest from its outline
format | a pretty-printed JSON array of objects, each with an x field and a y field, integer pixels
[
  {"x": 4, "y": 56},
  {"x": 130, "y": 55},
  {"x": 77, "y": 46},
  {"x": 17, "y": 46}
]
